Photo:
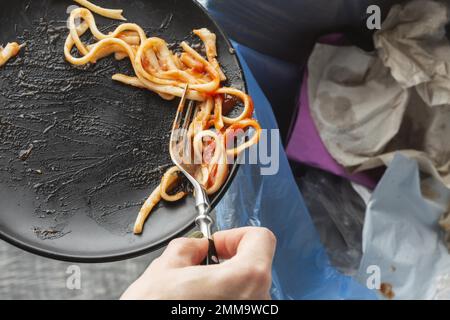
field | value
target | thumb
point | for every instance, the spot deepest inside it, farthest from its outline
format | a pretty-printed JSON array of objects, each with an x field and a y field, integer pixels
[{"x": 184, "y": 252}]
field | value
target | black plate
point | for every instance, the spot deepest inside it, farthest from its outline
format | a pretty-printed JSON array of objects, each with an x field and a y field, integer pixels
[{"x": 99, "y": 147}]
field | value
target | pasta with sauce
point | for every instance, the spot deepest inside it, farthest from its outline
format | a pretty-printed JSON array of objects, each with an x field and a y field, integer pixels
[{"x": 158, "y": 69}]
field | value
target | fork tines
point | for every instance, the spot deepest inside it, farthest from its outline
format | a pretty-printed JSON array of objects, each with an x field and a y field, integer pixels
[{"x": 183, "y": 119}]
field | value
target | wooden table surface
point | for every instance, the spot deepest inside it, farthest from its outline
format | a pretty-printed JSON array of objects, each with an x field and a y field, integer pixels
[{"x": 27, "y": 276}]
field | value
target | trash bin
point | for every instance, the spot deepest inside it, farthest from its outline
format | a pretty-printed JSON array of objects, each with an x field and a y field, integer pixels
[{"x": 275, "y": 39}]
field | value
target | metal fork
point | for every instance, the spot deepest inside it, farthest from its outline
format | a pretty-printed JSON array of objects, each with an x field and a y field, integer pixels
[{"x": 179, "y": 136}]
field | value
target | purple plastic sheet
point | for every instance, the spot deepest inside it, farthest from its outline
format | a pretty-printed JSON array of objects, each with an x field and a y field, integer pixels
[{"x": 305, "y": 145}]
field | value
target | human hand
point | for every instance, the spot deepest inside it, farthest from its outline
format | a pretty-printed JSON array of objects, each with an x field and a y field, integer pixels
[{"x": 176, "y": 274}]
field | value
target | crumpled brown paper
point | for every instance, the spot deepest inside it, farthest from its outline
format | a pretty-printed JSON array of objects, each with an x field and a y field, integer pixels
[
  {"x": 413, "y": 44},
  {"x": 367, "y": 106}
]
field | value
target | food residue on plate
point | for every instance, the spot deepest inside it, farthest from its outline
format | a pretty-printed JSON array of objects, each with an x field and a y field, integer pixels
[
  {"x": 25, "y": 153},
  {"x": 50, "y": 233}
]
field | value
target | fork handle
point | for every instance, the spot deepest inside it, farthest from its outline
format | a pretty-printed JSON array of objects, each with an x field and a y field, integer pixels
[
  {"x": 212, "y": 257},
  {"x": 204, "y": 222}
]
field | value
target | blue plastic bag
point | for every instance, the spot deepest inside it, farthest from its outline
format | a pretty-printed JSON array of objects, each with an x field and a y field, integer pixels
[{"x": 301, "y": 269}]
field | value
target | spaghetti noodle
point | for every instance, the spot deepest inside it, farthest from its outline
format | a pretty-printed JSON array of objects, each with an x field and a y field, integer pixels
[
  {"x": 108, "y": 13},
  {"x": 158, "y": 69}
]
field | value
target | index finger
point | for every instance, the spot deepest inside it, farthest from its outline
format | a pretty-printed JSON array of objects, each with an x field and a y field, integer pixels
[{"x": 259, "y": 243}]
